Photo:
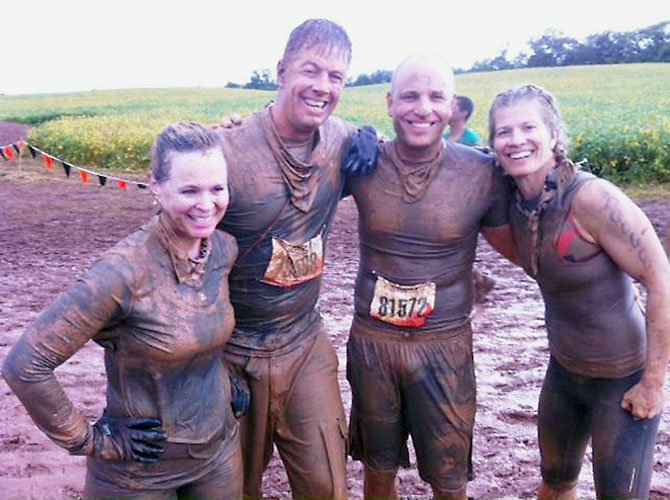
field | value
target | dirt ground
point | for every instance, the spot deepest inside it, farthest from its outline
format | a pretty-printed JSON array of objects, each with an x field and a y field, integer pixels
[{"x": 51, "y": 230}]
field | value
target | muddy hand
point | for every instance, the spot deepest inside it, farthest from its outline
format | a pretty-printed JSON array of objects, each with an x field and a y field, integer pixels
[
  {"x": 139, "y": 439},
  {"x": 644, "y": 400},
  {"x": 230, "y": 121},
  {"x": 361, "y": 158},
  {"x": 240, "y": 396}
]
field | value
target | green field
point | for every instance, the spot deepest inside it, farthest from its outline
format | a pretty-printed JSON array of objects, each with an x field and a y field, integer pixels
[{"x": 618, "y": 116}]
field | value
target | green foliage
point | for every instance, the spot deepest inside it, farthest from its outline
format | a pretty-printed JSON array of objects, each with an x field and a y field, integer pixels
[{"x": 618, "y": 116}]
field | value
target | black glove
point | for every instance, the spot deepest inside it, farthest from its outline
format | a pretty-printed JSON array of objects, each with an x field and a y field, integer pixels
[
  {"x": 361, "y": 158},
  {"x": 240, "y": 396},
  {"x": 139, "y": 439}
]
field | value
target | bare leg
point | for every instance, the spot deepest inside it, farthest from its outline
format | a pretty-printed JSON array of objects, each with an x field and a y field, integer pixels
[
  {"x": 379, "y": 485},
  {"x": 546, "y": 493},
  {"x": 450, "y": 495}
]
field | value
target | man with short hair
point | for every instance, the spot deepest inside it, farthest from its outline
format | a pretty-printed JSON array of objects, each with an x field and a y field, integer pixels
[
  {"x": 409, "y": 354},
  {"x": 458, "y": 123},
  {"x": 285, "y": 184}
]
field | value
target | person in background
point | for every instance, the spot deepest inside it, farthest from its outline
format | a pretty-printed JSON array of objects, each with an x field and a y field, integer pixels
[
  {"x": 585, "y": 243},
  {"x": 157, "y": 302},
  {"x": 285, "y": 181},
  {"x": 409, "y": 354},
  {"x": 458, "y": 123},
  {"x": 460, "y": 132}
]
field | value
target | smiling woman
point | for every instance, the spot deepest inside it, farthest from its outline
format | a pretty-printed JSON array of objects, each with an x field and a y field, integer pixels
[
  {"x": 158, "y": 303},
  {"x": 584, "y": 242}
]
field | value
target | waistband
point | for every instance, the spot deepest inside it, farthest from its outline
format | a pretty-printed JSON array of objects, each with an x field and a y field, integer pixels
[
  {"x": 375, "y": 330},
  {"x": 203, "y": 450}
]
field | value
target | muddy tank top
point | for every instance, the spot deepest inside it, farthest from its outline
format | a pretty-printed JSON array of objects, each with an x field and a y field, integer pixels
[{"x": 594, "y": 324}]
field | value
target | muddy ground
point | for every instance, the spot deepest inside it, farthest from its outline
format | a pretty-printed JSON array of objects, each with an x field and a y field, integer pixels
[{"x": 53, "y": 227}]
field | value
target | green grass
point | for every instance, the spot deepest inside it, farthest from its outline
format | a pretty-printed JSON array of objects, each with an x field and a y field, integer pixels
[{"x": 618, "y": 116}]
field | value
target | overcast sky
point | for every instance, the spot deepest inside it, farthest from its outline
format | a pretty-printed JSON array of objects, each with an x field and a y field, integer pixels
[{"x": 69, "y": 45}]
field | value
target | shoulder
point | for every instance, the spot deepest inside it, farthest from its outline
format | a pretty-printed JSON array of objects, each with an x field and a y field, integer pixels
[
  {"x": 224, "y": 249},
  {"x": 602, "y": 207},
  {"x": 335, "y": 127},
  {"x": 593, "y": 193},
  {"x": 469, "y": 157}
]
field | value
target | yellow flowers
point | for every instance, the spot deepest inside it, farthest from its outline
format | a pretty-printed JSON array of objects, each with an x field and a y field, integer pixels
[{"x": 618, "y": 116}]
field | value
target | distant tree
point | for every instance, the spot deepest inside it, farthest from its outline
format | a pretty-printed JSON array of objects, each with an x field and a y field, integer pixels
[
  {"x": 379, "y": 76},
  {"x": 550, "y": 49},
  {"x": 233, "y": 85},
  {"x": 498, "y": 63},
  {"x": 654, "y": 43},
  {"x": 261, "y": 81}
]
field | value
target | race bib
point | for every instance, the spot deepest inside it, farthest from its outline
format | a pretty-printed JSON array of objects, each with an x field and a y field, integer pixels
[
  {"x": 402, "y": 305},
  {"x": 292, "y": 264}
]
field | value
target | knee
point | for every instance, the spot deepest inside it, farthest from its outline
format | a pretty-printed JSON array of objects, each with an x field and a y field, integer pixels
[{"x": 379, "y": 484}]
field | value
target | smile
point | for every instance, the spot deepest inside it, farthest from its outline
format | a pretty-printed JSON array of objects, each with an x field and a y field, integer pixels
[
  {"x": 202, "y": 220},
  {"x": 315, "y": 104},
  {"x": 520, "y": 155}
]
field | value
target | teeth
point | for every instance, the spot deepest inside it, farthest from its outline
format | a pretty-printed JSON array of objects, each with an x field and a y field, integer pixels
[
  {"x": 421, "y": 125},
  {"x": 315, "y": 104},
  {"x": 520, "y": 155},
  {"x": 201, "y": 220}
]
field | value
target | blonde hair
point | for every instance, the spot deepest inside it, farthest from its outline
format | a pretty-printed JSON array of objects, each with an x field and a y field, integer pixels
[{"x": 565, "y": 167}]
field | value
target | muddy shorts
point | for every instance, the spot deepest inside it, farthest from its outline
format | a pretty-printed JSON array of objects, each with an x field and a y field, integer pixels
[
  {"x": 212, "y": 471},
  {"x": 295, "y": 405},
  {"x": 420, "y": 385},
  {"x": 574, "y": 409}
]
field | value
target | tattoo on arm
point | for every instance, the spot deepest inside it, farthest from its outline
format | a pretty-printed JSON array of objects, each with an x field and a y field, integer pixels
[{"x": 612, "y": 208}]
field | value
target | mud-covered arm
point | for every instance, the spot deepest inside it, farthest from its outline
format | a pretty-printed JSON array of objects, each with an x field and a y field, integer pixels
[
  {"x": 609, "y": 218},
  {"x": 501, "y": 238},
  {"x": 56, "y": 334},
  {"x": 495, "y": 227}
]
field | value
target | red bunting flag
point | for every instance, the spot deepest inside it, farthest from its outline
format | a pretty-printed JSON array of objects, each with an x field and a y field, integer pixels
[
  {"x": 8, "y": 152},
  {"x": 122, "y": 184},
  {"x": 22, "y": 144},
  {"x": 84, "y": 176},
  {"x": 48, "y": 162}
]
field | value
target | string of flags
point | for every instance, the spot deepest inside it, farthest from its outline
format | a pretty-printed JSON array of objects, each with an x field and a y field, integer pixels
[{"x": 11, "y": 151}]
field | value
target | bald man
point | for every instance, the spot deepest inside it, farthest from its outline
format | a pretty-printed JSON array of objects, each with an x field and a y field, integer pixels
[{"x": 409, "y": 355}]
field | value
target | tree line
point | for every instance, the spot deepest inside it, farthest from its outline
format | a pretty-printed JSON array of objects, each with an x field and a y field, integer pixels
[{"x": 553, "y": 48}]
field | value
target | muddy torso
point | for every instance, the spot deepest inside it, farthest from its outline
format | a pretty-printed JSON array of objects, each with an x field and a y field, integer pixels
[
  {"x": 276, "y": 282},
  {"x": 594, "y": 324},
  {"x": 431, "y": 241}
]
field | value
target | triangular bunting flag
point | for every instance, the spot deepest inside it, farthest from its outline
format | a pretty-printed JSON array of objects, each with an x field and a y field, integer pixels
[
  {"x": 122, "y": 184},
  {"x": 16, "y": 148},
  {"x": 67, "y": 167},
  {"x": 3, "y": 155},
  {"x": 102, "y": 180},
  {"x": 84, "y": 176},
  {"x": 48, "y": 162},
  {"x": 8, "y": 152},
  {"x": 142, "y": 186},
  {"x": 22, "y": 144},
  {"x": 33, "y": 151}
]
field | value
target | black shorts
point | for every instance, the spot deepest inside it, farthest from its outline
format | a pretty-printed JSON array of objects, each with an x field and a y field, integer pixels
[{"x": 574, "y": 409}]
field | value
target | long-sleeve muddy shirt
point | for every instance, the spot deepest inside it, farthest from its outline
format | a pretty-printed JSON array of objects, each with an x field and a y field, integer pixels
[{"x": 163, "y": 322}]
